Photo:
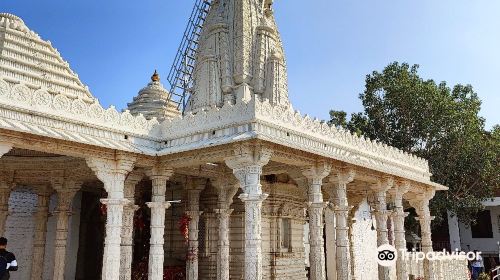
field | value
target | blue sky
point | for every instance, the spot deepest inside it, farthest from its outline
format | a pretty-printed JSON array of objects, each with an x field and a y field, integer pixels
[{"x": 330, "y": 45}]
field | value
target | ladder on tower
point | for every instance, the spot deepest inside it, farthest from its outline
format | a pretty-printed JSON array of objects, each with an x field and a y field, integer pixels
[{"x": 180, "y": 76}]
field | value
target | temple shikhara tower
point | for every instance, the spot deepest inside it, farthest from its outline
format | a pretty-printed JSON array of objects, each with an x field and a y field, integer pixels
[{"x": 230, "y": 182}]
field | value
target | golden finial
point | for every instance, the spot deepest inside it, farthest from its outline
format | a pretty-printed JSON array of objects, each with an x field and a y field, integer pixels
[{"x": 155, "y": 77}]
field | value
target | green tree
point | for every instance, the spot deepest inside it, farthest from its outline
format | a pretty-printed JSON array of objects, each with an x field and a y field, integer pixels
[{"x": 435, "y": 122}]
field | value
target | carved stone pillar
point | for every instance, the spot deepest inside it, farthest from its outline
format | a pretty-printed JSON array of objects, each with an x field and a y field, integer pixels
[
  {"x": 226, "y": 191},
  {"x": 341, "y": 208},
  {"x": 330, "y": 244},
  {"x": 128, "y": 226},
  {"x": 112, "y": 172},
  {"x": 315, "y": 175},
  {"x": 6, "y": 179},
  {"x": 399, "y": 228},
  {"x": 421, "y": 204},
  {"x": 41, "y": 217},
  {"x": 65, "y": 193},
  {"x": 5, "y": 189},
  {"x": 247, "y": 166},
  {"x": 381, "y": 215},
  {"x": 159, "y": 176},
  {"x": 193, "y": 205}
]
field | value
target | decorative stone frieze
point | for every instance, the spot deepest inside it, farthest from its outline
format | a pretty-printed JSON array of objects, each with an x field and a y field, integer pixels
[
  {"x": 41, "y": 218},
  {"x": 315, "y": 176},
  {"x": 59, "y": 105},
  {"x": 112, "y": 172},
  {"x": 159, "y": 175},
  {"x": 399, "y": 226},
  {"x": 341, "y": 207},
  {"x": 128, "y": 225},
  {"x": 247, "y": 164},
  {"x": 381, "y": 214}
]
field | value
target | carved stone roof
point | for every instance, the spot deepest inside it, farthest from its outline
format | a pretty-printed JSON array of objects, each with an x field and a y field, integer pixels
[
  {"x": 153, "y": 102},
  {"x": 26, "y": 58}
]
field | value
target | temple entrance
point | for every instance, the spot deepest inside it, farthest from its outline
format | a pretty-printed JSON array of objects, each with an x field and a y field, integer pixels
[{"x": 91, "y": 245}]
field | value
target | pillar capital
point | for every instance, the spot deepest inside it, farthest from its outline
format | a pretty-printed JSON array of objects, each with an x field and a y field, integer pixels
[
  {"x": 398, "y": 191},
  {"x": 158, "y": 205},
  {"x": 131, "y": 181},
  {"x": 114, "y": 201},
  {"x": 247, "y": 163},
  {"x": 246, "y": 155},
  {"x": 253, "y": 198},
  {"x": 343, "y": 176},
  {"x": 383, "y": 185},
  {"x": 112, "y": 172},
  {"x": 224, "y": 212},
  {"x": 65, "y": 194},
  {"x": 193, "y": 214},
  {"x": 196, "y": 185},
  {"x": 227, "y": 186},
  {"x": 317, "y": 172},
  {"x": 160, "y": 170}
]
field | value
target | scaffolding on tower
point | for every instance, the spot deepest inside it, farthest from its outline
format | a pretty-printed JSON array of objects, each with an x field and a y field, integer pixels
[{"x": 180, "y": 76}]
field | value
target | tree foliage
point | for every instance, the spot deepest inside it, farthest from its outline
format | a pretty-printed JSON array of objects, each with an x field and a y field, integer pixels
[{"x": 435, "y": 122}]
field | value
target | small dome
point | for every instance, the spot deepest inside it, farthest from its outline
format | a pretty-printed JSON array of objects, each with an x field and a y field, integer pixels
[{"x": 152, "y": 101}]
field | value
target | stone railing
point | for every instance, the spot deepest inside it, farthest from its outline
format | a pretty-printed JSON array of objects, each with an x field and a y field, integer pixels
[
  {"x": 445, "y": 268},
  {"x": 60, "y": 106}
]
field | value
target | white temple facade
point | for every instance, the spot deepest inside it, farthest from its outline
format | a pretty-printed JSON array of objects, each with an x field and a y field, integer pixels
[{"x": 239, "y": 186}]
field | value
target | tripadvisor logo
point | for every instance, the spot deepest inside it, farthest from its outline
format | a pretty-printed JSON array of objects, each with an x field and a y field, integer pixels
[{"x": 386, "y": 255}]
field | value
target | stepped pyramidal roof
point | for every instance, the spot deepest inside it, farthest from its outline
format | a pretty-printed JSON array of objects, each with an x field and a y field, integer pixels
[{"x": 28, "y": 59}]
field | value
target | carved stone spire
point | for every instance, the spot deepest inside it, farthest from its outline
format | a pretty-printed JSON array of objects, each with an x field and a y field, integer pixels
[{"x": 240, "y": 54}]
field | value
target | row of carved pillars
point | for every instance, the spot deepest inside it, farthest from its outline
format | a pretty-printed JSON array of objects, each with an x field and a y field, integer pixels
[
  {"x": 247, "y": 168},
  {"x": 66, "y": 191},
  {"x": 343, "y": 214},
  {"x": 120, "y": 183}
]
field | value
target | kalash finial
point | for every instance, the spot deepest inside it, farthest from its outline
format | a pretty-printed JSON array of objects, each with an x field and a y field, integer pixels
[{"x": 155, "y": 77}]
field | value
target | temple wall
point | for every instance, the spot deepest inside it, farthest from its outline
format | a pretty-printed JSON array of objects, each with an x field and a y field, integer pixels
[{"x": 20, "y": 228}]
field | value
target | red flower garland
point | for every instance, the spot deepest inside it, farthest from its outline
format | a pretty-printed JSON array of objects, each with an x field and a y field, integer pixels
[{"x": 184, "y": 226}]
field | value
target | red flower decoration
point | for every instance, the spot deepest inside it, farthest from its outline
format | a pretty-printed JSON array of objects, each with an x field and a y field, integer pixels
[{"x": 184, "y": 226}]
